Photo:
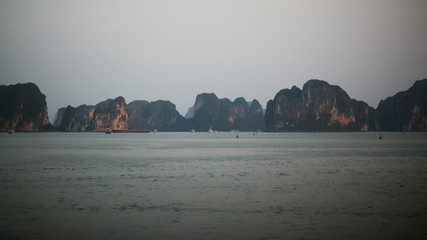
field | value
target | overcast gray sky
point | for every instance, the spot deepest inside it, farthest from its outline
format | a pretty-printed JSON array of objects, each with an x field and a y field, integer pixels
[{"x": 83, "y": 52}]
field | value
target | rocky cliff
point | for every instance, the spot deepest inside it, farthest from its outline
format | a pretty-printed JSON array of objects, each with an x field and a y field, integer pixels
[
  {"x": 246, "y": 116},
  {"x": 224, "y": 115},
  {"x": 317, "y": 107},
  {"x": 116, "y": 114},
  {"x": 160, "y": 115},
  {"x": 76, "y": 119},
  {"x": 58, "y": 117},
  {"x": 109, "y": 114},
  {"x": 23, "y": 108},
  {"x": 405, "y": 111}
]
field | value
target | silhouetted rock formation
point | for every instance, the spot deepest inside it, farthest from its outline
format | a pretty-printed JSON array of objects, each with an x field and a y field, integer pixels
[
  {"x": 76, "y": 119},
  {"x": 224, "y": 115},
  {"x": 160, "y": 115},
  {"x": 109, "y": 114},
  {"x": 317, "y": 107},
  {"x": 23, "y": 108},
  {"x": 405, "y": 111},
  {"x": 246, "y": 116},
  {"x": 190, "y": 113},
  {"x": 58, "y": 117},
  {"x": 116, "y": 114}
]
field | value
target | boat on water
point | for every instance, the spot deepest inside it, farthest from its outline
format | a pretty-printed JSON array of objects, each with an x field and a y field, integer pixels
[
  {"x": 131, "y": 131},
  {"x": 10, "y": 132}
]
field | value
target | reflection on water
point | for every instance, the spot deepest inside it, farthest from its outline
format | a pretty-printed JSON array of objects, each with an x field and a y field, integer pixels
[{"x": 213, "y": 186}]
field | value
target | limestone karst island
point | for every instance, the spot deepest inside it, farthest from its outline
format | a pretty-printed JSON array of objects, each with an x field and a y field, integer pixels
[{"x": 318, "y": 106}]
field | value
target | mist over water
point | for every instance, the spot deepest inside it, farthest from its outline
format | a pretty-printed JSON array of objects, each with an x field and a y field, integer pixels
[{"x": 213, "y": 186}]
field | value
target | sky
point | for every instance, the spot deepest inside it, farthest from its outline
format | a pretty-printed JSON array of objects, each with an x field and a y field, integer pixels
[{"x": 86, "y": 51}]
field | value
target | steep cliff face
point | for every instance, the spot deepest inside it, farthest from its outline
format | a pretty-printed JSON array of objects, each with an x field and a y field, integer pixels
[
  {"x": 109, "y": 114},
  {"x": 58, "y": 117},
  {"x": 116, "y": 114},
  {"x": 209, "y": 111},
  {"x": 137, "y": 112},
  {"x": 76, "y": 119},
  {"x": 256, "y": 116},
  {"x": 246, "y": 116},
  {"x": 23, "y": 108},
  {"x": 224, "y": 115},
  {"x": 405, "y": 111},
  {"x": 317, "y": 107},
  {"x": 238, "y": 110},
  {"x": 160, "y": 115}
]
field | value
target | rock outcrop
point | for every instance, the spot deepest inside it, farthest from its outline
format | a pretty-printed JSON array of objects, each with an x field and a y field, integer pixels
[
  {"x": 109, "y": 114},
  {"x": 190, "y": 113},
  {"x": 246, "y": 116},
  {"x": 160, "y": 115},
  {"x": 116, "y": 114},
  {"x": 23, "y": 108},
  {"x": 58, "y": 117},
  {"x": 76, "y": 119},
  {"x": 405, "y": 111},
  {"x": 317, "y": 107},
  {"x": 224, "y": 115}
]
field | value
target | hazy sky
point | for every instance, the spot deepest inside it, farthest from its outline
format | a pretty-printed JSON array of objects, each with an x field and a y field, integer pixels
[{"x": 83, "y": 52}]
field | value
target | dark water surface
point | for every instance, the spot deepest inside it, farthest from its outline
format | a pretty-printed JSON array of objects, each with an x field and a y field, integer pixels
[{"x": 213, "y": 186}]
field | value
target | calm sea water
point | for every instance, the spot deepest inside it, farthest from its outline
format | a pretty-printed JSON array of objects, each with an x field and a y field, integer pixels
[{"x": 213, "y": 186}]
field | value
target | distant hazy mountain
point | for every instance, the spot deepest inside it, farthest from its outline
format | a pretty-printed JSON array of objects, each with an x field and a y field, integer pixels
[
  {"x": 23, "y": 108},
  {"x": 190, "y": 113}
]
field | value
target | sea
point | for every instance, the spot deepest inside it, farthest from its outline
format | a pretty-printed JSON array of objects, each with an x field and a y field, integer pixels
[{"x": 213, "y": 185}]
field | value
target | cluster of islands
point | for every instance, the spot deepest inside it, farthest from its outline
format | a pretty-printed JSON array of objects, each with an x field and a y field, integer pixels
[{"x": 318, "y": 106}]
